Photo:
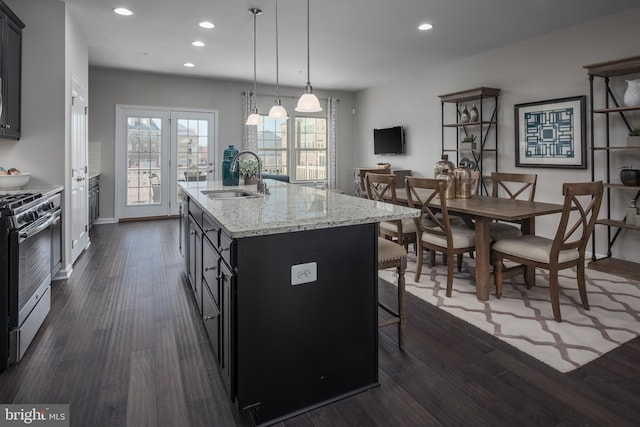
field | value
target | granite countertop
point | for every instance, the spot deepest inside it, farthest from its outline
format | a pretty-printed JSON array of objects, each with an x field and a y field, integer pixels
[{"x": 290, "y": 208}]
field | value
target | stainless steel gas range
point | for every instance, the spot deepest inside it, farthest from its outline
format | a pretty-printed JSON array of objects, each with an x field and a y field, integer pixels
[{"x": 26, "y": 219}]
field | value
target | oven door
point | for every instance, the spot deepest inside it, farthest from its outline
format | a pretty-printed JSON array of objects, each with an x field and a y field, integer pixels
[{"x": 29, "y": 268}]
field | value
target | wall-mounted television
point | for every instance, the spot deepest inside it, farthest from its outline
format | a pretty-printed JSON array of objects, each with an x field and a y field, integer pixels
[{"x": 388, "y": 140}]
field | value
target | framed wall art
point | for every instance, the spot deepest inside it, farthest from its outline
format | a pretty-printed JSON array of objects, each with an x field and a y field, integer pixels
[{"x": 552, "y": 134}]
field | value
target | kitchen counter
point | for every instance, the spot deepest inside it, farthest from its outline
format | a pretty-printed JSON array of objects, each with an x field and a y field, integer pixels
[
  {"x": 46, "y": 191},
  {"x": 290, "y": 208}
]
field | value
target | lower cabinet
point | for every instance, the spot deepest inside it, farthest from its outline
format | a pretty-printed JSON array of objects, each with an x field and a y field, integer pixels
[
  {"x": 227, "y": 281},
  {"x": 195, "y": 261},
  {"x": 94, "y": 199},
  {"x": 285, "y": 347}
]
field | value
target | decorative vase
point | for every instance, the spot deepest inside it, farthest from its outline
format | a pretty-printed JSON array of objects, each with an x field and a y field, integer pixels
[
  {"x": 443, "y": 165},
  {"x": 630, "y": 177},
  {"x": 473, "y": 114},
  {"x": 632, "y": 94},
  {"x": 464, "y": 115},
  {"x": 462, "y": 177},
  {"x": 228, "y": 177}
]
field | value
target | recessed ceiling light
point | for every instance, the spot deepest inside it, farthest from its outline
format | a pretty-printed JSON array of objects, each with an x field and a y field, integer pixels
[
  {"x": 189, "y": 65},
  {"x": 122, "y": 11},
  {"x": 197, "y": 43},
  {"x": 425, "y": 27},
  {"x": 206, "y": 24}
]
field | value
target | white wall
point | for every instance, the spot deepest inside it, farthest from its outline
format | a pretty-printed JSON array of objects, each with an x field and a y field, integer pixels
[
  {"x": 543, "y": 68},
  {"x": 52, "y": 49},
  {"x": 108, "y": 87}
]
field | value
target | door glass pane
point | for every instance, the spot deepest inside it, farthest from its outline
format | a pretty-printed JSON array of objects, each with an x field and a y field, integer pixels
[
  {"x": 144, "y": 150},
  {"x": 193, "y": 137}
]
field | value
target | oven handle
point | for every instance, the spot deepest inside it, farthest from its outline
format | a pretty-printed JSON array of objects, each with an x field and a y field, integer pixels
[
  {"x": 35, "y": 228},
  {"x": 56, "y": 216}
]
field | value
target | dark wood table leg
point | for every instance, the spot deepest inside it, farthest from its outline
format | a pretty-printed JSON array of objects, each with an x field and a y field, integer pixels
[
  {"x": 529, "y": 227},
  {"x": 483, "y": 255}
]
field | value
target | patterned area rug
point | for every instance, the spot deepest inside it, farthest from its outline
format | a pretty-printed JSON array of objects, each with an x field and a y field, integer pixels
[{"x": 524, "y": 319}]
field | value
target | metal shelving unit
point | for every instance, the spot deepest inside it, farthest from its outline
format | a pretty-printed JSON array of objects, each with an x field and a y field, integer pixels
[
  {"x": 605, "y": 71},
  {"x": 486, "y": 126}
]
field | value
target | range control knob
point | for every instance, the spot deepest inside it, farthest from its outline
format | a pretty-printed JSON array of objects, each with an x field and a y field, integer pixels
[{"x": 46, "y": 206}]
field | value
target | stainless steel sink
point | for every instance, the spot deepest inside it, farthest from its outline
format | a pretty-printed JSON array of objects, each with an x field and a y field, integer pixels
[{"x": 229, "y": 194}]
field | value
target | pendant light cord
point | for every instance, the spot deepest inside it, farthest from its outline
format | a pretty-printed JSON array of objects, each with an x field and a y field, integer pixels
[
  {"x": 308, "y": 54},
  {"x": 255, "y": 14},
  {"x": 277, "y": 64}
]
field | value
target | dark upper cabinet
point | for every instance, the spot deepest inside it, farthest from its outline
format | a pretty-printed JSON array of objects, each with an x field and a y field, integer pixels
[{"x": 10, "y": 72}]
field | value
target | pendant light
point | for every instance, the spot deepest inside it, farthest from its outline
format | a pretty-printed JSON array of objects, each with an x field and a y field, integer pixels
[
  {"x": 254, "y": 119},
  {"x": 308, "y": 102},
  {"x": 277, "y": 111}
]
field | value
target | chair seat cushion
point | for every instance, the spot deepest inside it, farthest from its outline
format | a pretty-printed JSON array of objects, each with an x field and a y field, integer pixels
[
  {"x": 463, "y": 237},
  {"x": 533, "y": 247},
  {"x": 500, "y": 230},
  {"x": 389, "y": 251},
  {"x": 408, "y": 226}
]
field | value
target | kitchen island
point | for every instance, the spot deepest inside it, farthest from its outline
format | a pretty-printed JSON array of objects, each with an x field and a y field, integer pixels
[{"x": 286, "y": 285}]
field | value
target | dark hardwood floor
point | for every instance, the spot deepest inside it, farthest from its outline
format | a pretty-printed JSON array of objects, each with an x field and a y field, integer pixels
[{"x": 123, "y": 346}]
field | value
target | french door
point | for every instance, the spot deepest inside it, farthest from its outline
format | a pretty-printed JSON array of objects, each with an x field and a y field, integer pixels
[{"x": 155, "y": 149}]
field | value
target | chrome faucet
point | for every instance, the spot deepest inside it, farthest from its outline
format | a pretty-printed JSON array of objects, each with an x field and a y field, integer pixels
[{"x": 262, "y": 186}]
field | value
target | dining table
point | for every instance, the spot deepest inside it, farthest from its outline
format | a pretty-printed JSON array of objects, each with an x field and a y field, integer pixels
[{"x": 480, "y": 210}]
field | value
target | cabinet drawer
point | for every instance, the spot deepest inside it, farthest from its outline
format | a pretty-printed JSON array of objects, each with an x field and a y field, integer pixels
[
  {"x": 226, "y": 248},
  {"x": 211, "y": 319},
  {"x": 210, "y": 268},
  {"x": 196, "y": 212},
  {"x": 211, "y": 229}
]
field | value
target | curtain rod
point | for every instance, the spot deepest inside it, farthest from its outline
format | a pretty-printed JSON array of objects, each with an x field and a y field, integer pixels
[{"x": 290, "y": 96}]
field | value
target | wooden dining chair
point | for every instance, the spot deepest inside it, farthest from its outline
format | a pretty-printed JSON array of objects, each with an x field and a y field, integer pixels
[
  {"x": 514, "y": 186},
  {"x": 434, "y": 229},
  {"x": 392, "y": 255},
  {"x": 382, "y": 187},
  {"x": 567, "y": 249},
  {"x": 363, "y": 173}
]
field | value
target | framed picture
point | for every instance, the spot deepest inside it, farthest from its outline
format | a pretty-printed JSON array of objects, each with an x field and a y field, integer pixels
[{"x": 552, "y": 134}]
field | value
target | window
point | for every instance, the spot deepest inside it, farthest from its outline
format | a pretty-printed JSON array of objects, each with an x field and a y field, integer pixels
[
  {"x": 273, "y": 146},
  {"x": 311, "y": 148},
  {"x": 308, "y": 155}
]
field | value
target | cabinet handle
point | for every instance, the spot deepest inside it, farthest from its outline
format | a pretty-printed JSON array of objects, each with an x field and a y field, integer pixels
[
  {"x": 192, "y": 233},
  {"x": 222, "y": 249},
  {"x": 209, "y": 268},
  {"x": 208, "y": 230},
  {"x": 220, "y": 276},
  {"x": 8, "y": 126}
]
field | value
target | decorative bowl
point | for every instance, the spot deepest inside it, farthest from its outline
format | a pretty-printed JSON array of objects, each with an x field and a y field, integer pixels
[
  {"x": 630, "y": 177},
  {"x": 14, "y": 182}
]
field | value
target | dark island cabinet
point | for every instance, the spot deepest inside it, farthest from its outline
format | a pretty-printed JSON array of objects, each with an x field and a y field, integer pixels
[
  {"x": 282, "y": 346},
  {"x": 10, "y": 72}
]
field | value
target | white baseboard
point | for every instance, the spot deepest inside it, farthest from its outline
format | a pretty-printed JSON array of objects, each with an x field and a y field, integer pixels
[
  {"x": 63, "y": 273},
  {"x": 104, "y": 221}
]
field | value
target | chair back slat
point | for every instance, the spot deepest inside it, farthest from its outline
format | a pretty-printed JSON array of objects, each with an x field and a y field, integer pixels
[
  {"x": 583, "y": 199},
  {"x": 515, "y": 185},
  {"x": 381, "y": 187},
  {"x": 422, "y": 193},
  {"x": 363, "y": 173}
]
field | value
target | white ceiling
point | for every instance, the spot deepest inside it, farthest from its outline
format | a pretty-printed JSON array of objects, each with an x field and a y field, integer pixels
[{"x": 354, "y": 43}]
